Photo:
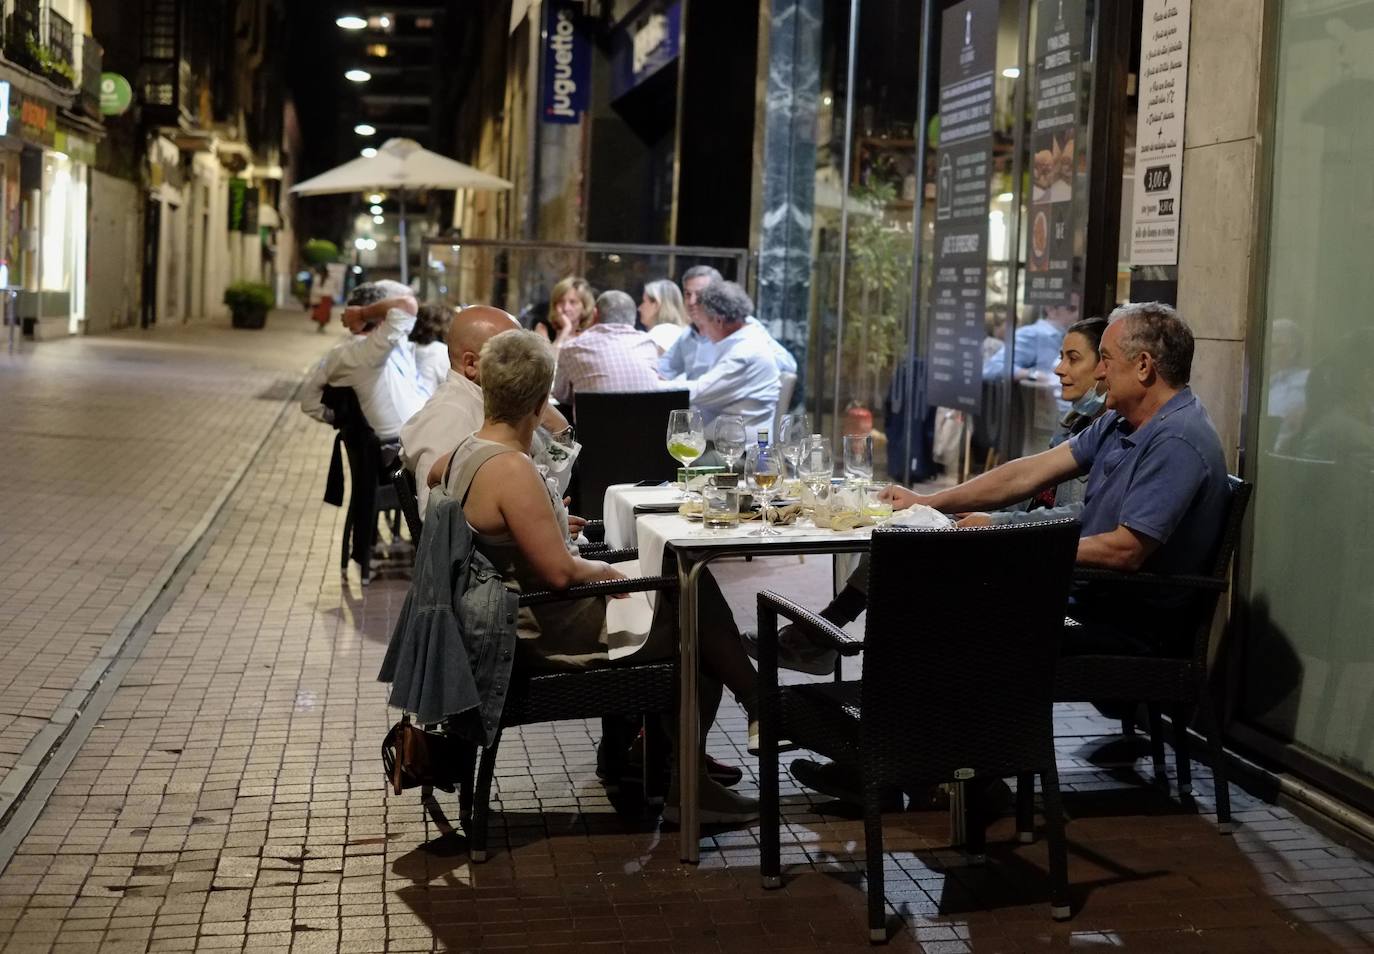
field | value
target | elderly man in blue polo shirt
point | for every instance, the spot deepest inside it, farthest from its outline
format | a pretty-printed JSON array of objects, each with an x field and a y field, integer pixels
[{"x": 1156, "y": 497}]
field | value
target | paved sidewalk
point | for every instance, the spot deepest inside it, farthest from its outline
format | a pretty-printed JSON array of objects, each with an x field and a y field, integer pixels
[
  {"x": 115, "y": 448},
  {"x": 231, "y": 798}
]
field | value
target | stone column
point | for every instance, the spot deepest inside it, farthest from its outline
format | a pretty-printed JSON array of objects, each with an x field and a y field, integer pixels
[
  {"x": 789, "y": 172},
  {"x": 1221, "y": 203}
]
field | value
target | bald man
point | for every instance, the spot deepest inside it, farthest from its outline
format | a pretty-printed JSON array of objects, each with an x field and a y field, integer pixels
[{"x": 455, "y": 410}]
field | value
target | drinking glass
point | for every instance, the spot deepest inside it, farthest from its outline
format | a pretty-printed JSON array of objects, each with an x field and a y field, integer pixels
[
  {"x": 686, "y": 437},
  {"x": 874, "y": 507},
  {"x": 763, "y": 468},
  {"x": 858, "y": 458},
  {"x": 792, "y": 435},
  {"x": 730, "y": 438},
  {"x": 720, "y": 506},
  {"x": 815, "y": 467}
]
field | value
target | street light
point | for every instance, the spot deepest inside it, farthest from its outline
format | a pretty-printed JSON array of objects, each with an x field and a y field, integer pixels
[
  {"x": 376, "y": 210},
  {"x": 378, "y": 219},
  {"x": 365, "y": 129},
  {"x": 375, "y": 197},
  {"x": 369, "y": 153},
  {"x": 349, "y": 22},
  {"x": 358, "y": 76}
]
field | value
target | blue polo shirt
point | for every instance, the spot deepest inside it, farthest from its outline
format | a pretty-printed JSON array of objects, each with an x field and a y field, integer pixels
[{"x": 1166, "y": 481}]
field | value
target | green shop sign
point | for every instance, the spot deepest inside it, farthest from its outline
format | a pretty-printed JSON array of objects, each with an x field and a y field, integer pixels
[{"x": 115, "y": 94}]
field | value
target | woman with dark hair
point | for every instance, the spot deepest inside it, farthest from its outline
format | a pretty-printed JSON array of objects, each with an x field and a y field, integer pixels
[{"x": 430, "y": 336}]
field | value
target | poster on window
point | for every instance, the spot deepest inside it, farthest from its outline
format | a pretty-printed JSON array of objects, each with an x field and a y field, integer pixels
[
  {"x": 1055, "y": 152},
  {"x": 959, "y": 292},
  {"x": 1159, "y": 132}
]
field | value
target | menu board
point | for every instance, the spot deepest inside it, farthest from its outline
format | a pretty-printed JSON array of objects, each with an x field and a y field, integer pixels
[
  {"x": 1159, "y": 132},
  {"x": 968, "y": 60},
  {"x": 1054, "y": 153}
]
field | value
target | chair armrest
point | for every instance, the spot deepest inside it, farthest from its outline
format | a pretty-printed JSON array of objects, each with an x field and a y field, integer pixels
[
  {"x": 617, "y": 556},
  {"x": 603, "y": 588},
  {"x": 823, "y": 630},
  {"x": 1184, "y": 581}
]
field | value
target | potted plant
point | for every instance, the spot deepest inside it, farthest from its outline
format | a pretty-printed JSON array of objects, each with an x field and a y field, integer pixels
[
  {"x": 320, "y": 252},
  {"x": 248, "y": 303}
]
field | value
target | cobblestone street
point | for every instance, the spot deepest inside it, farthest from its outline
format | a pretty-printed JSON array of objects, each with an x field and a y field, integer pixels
[{"x": 229, "y": 795}]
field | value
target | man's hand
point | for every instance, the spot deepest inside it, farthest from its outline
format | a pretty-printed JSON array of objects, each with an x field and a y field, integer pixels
[
  {"x": 353, "y": 318},
  {"x": 974, "y": 520},
  {"x": 607, "y": 573},
  {"x": 900, "y": 497},
  {"x": 575, "y": 523}
]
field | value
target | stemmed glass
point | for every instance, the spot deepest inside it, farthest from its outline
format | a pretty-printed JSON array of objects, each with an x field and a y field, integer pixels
[
  {"x": 686, "y": 438},
  {"x": 763, "y": 468},
  {"x": 858, "y": 458},
  {"x": 816, "y": 466},
  {"x": 791, "y": 436},
  {"x": 730, "y": 438}
]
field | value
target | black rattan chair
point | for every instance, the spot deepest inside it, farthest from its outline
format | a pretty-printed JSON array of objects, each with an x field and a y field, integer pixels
[
  {"x": 1179, "y": 684},
  {"x": 370, "y": 489},
  {"x": 631, "y": 689},
  {"x": 955, "y": 689},
  {"x": 403, "y": 485},
  {"x": 622, "y": 435}
]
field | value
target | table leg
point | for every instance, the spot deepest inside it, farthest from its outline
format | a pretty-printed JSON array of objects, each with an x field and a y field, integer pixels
[{"x": 689, "y": 717}]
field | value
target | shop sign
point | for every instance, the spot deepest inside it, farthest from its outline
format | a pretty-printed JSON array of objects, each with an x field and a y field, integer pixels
[
  {"x": 116, "y": 94},
  {"x": 567, "y": 64},
  {"x": 1159, "y": 132},
  {"x": 1055, "y": 158},
  {"x": 644, "y": 47},
  {"x": 37, "y": 120},
  {"x": 75, "y": 148},
  {"x": 968, "y": 61}
]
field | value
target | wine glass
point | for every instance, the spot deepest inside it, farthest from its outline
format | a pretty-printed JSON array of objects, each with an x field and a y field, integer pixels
[
  {"x": 858, "y": 458},
  {"x": 792, "y": 435},
  {"x": 686, "y": 437},
  {"x": 763, "y": 468},
  {"x": 730, "y": 438}
]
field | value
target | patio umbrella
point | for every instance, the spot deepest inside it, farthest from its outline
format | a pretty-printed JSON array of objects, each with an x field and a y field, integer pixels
[{"x": 400, "y": 165}]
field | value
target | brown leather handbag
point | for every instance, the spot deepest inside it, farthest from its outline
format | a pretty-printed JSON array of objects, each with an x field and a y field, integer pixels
[{"x": 415, "y": 756}]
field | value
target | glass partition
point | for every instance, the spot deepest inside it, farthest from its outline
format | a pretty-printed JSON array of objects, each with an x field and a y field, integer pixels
[{"x": 1309, "y": 658}]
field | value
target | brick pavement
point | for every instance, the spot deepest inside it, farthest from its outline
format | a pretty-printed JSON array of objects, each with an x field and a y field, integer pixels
[{"x": 231, "y": 799}]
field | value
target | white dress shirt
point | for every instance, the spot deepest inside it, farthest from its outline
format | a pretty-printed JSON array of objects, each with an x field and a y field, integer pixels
[
  {"x": 431, "y": 363},
  {"x": 454, "y": 412},
  {"x": 312, "y": 391},
  {"x": 692, "y": 354},
  {"x": 380, "y": 368},
  {"x": 743, "y": 380}
]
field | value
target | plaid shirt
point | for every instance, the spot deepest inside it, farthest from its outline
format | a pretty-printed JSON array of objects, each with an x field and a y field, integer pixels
[{"x": 606, "y": 358}]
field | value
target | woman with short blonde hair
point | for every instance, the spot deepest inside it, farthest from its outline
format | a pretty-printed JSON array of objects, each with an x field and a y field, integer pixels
[{"x": 662, "y": 313}]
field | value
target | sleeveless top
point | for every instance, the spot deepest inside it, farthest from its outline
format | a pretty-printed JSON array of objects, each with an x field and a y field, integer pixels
[{"x": 569, "y": 635}]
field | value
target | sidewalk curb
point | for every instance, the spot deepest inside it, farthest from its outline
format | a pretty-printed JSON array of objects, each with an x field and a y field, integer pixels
[{"x": 25, "y": 789}]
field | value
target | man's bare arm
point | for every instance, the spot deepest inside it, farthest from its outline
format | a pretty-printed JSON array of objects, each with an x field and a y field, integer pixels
[
  {"x": 553, "y": 421},
  {"x": 1121, "y": 549},
  {"x": 1013, "y": 481}
]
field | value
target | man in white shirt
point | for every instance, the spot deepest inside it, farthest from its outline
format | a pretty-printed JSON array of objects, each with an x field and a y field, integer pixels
[
  {"x": 743, "y": 378},
  {"x": 379, "y": 363},
  {"x": 312, "y": 391},
  {"x": 455, "y": 411},
  {"x": 693, "y": 353},
  {"x": 609, "y": 356}
]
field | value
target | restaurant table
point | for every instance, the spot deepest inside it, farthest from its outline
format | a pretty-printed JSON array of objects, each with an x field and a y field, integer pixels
[
  {"x": 695, "y": 549},
  {"x": 619, "y": 510}
]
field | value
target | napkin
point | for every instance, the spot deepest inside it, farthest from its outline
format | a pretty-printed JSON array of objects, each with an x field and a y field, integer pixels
[{"x": 921, "y": 517}]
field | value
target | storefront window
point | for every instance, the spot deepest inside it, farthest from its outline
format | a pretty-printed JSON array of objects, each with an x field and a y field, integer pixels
[{"x": 1310, "y": 662}]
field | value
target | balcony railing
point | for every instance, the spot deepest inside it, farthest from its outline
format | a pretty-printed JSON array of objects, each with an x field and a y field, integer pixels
[{"x": 45, "y": 49}]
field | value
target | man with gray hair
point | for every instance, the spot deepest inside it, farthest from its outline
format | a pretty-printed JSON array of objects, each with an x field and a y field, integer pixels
[
  {"x": 743, "y": 378},
  {"x": 378, "y": 361},
  {"x": 611, "y": 355},
  {"x": 692, "y": 353}
]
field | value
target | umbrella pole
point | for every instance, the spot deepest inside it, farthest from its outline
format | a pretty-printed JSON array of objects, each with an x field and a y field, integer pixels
[{"x": 405, "y": 247}]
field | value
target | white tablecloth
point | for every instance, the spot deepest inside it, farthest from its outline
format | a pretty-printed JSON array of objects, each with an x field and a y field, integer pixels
[{"x": 618, "y": 510}]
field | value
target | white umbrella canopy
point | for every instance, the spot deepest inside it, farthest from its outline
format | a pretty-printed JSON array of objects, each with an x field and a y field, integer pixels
[{"x": 400, "y": 164}]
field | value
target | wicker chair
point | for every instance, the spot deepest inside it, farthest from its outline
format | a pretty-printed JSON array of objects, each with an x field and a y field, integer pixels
[
  {"x": 371, "y": 492},
  {"x": 622, "y": 436},
  {"x": 965, "y": 696},
  {"x": 622, "y": 690},
  {"x": 403, "y": 484},
  {"x": 1181, "y": 684}
]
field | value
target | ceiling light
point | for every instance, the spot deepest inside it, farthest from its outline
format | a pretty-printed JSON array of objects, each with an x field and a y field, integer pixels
[
  {"x": 1011, "y": 72},
  {"x": 360, "y": 243},
  {"x": 378, "y": 219},
  {"x": 369, "y": 153},
  {"x": 384, "y": 22},
  {"x": 1005, "y": 197},
  {"x": 350, "y": 22},
  {"x": 377, "y": 49},
  {"x": 376, "y": 210},
  {"x": 358, "y": 76},
  {"x": 376, "y": 197},
  {"x": 365, "y": 129}
]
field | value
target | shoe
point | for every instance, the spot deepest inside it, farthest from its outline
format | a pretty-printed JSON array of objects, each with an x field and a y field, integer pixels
[
  {"x": 841, "y": 782},
  {"x": 784, "y": 745},
  {"x": 716, "y": 805},
  {"x": 796, "y": 651},
  {"x": 723, "y": 774}
]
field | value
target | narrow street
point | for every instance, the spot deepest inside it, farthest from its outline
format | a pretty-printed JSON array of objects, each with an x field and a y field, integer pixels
[{"x": 192, "y": 718}]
